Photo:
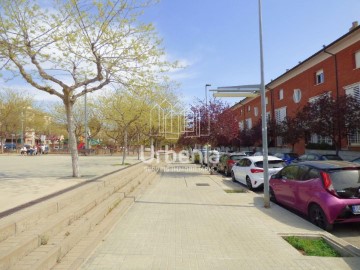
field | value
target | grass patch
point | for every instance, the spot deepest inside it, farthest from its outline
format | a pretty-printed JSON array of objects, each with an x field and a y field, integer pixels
[
  {"x": 235, "y": 190},
  {"x": 312, "y": 246}
]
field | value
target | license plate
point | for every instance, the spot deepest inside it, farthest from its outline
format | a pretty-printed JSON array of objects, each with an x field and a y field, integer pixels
[{"x": 356, "y": 209}]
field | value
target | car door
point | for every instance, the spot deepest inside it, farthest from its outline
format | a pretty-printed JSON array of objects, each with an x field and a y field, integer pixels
[
  {"x": 283, "y": 185},
  {"x": 304, "y": 187},
  {"x": 244, "y": 167},
  {"x": 239, "y": 169}
]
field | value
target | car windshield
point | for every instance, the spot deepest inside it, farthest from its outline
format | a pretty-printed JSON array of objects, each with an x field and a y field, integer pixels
[
  {"x": 271, "y": 164},
  {"x": 346, "y": 182},
  {"x": 293, "y": 155}
]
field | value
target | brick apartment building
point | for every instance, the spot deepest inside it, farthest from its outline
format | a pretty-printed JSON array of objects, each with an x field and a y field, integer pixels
[{"x": 335, "y": 70}]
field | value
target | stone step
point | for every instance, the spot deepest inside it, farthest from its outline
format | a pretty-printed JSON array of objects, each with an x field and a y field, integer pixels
[
  {"x": 60, "y": 245},
  {"x": 28, "y": 235},
  {"x": 30, "y": 217}
]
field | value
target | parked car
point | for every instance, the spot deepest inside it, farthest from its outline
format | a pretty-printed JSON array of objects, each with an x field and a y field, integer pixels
[
  {"x": 315, "y": 156},
  {"x": 327, "y": 192},
  {"x": 227, "y": 161},
  {"x": 356, "y": 160},
  {"x": 10, "y": 146},
  {"x": 249, "y": 170},
  {"x": 247, "y": 153},
  {"x": 287, "y": 157},
  {"x": 214, "y": 157},
  {"x": 260, "y": 153}
]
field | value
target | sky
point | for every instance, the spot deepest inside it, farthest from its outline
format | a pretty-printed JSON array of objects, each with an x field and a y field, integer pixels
[{"x": 218, "y": 40}]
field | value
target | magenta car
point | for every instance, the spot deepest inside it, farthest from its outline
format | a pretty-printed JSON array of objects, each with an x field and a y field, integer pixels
[{"x": 327, "y": 192}]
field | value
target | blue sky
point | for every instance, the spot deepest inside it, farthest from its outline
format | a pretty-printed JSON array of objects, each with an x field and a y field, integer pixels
[{"x": 219, "y": 40}]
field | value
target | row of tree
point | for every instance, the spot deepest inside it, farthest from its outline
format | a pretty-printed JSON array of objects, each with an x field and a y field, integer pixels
[
  {"x": 70, "y": 48},
  {"x": 326, "y": 116},
  {"x": 117, "y": 118}
]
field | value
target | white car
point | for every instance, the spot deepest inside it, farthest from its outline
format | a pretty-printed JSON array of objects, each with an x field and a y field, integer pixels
[{"x": 249, "y": 170}]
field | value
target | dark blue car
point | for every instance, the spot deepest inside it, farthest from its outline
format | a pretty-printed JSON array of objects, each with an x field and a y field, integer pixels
[
  {"x": 10, "y": 146},
  {"x": 287, "y": 157}
]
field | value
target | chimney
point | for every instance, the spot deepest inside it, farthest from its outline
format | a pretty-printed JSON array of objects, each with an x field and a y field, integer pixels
[{"x": 354, "y": 25}]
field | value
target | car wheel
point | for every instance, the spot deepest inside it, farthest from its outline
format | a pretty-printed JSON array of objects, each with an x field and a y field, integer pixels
[
  {"x": 317, "y": 217},
  {"x": 233, "y": 176},
  {"x": 248, "y": 183},
  {"x": 272, "y": 195}
]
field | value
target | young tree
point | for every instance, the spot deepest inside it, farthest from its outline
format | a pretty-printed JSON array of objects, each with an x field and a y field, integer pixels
[
  {"x": 226, "y": 127},
  {"x": 204, "y": 125},
  {"x": 291, "y": 131},
  {"x": 78, "y": 47},
  {"x": 331, "y": 118}
]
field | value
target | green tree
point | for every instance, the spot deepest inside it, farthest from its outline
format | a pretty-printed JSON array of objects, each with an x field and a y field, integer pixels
[
  {"x": 79, "y": 47},
  {"x": 120, "y": 111},
  {"x": 12, "y": 109}
]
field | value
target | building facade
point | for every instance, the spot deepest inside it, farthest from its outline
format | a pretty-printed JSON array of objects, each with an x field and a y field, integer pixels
[{"x": 334, "y": 70}]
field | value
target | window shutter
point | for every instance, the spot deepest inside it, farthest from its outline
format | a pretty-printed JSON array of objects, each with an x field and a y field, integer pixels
[{"x": 357, "y": 59}]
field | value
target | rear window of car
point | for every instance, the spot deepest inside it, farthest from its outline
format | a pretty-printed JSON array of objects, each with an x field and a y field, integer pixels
[
  {"x": 332, "y": 157},
  {"x": 237, "y": 157},
  {"x": 271, "y": 164},
  {"x": 292, "y": 155},
  {"x": 346, "y": 182}
]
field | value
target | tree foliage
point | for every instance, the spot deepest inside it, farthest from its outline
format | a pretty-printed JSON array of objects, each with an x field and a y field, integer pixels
[
  {"x": 329, "y": 117},
  {"x": 79, "y": 47}
]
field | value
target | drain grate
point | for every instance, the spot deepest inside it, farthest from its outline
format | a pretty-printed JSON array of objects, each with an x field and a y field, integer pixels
[{"x": 202, "y": 184}]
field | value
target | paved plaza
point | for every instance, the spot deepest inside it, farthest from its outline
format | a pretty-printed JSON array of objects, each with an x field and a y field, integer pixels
[
  {"x": 184, "y": 220},
  {"x": 27, "y": 178}
]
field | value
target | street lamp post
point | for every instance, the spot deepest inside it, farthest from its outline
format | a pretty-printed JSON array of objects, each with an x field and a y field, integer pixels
[
  {"x": 12, "y": 141},
  {"x": 252, "y": 91},
  {"x": 86, "y": 121},
  {"x": 208, "y": 125},
  {"x": 22, "y": 129},
  {"x": 263, "y": 118},
  {"x": 264, "y": 124}
]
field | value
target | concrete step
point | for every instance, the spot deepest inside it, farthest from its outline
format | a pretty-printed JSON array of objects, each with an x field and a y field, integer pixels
[
  {"x": 60, "y": 245},
  {"x": 23, "y": 235},
  {"x": 30, "y": 217}
]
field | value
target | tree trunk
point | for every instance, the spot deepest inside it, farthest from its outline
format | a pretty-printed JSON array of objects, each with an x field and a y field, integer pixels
[
  {"x": 72, "y": 138},
  {"x": 125, "y": 147}
]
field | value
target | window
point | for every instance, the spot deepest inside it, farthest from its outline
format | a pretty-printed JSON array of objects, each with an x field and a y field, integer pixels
[
  {"x": 357, "y": 59},
  {"x": 297, "y": 95},
  {"x": 320, "y": 139},
  {"x": 280, "y": 115},
  {"x": 266, "y": 101},
  {"x": 319, "y": 77},
  {"x": 354, "y": 138},
  {"x": 241, "y": 125},
  {"x": 281, "y": 94},
  {"x": 289, "y": 173},
  {"x": 256, "y": 111},
  {"x": 249, "y": 108},
  {"x": 248, "y": 123},
  {"x": 354, "y": 91},
  {"x": 268, "y": 116}
]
